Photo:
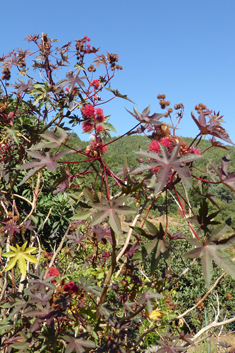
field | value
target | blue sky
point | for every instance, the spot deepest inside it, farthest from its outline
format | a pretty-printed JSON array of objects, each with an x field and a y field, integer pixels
[{"x": 184, "y": 49}]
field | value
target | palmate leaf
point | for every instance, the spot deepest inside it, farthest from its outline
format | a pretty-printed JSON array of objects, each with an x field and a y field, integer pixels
[
  {"x": 111, "y": 210},
  {"x": 212, "y": 128},
  {"x": 147, "y": 297},
  {"x": 170, "y": 347},
  {"x": 211, "y": 249},
  {"x": 51, "y": 140},
  {"x": 71, "y": 80},
  {"x": 77, "y": 344},
  {"x": 226, "y": 177},
  {"x": 167, "y": 163},
  {"x": 203, "y": 219},
  {"x": 158, "y": 245},
  {"x": 41, "y": 313},
  {"x": 48, "y": 160},
  {"x": 20, "y": 255},
  {"x": 144, "y": 117}
]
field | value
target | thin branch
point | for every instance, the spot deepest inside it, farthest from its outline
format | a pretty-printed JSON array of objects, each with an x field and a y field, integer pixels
[
  {"x": 58, "y": 250},
  {"x": 131, "y": 230},
  {"x": 185, "y": 313}
]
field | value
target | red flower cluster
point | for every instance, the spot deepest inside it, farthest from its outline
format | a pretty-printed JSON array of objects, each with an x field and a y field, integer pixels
[
  {"x": 93, "y": 116},
  {"x": 53, "y": 272},
  {"x": 95, "y": 84},
  {"x": 88, "y": 111},
  {"x": 100, "y": 128},
  {"x": 100, "y": 115},
  {"x": 87, "y": 126},
  {"x": 195, "y": 151},
  {"x": 71, "y": 288},
  {"x": 170, "y": 144},
  {"x": 165, "y": 141}
]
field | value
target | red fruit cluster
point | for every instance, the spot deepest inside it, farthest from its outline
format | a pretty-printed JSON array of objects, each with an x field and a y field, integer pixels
[
  {"x": 92, "y": 116},
  {"x": 71, "y": 288}
]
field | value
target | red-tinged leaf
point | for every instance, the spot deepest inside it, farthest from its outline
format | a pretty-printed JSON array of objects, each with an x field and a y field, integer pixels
[
  {"x": 77, "y": 344},
  {"x": 71, "y": 80},
  {"x": 218, "y": 144},
  {"x": 51, "y": 140},
  {"x": 220, "y": 230},
  {"x": 167, "y": 163},
  {"x": 226, "y": 177},
  {"x": 11, "y": 228},
  {"x": 158, "y": 245},
  {"x": 170, "y": 347},
  {"x": 212, "y": 250},
  {"x": 48, "y": 160},
  {"x": 185, "y": 337},
  {"x": 31, "y": 173},
  {"x": 22, "y": 86},
  {"x": 144, "y": 117},
  {"x": 110, "y": 210},
  {"x": 203, "y": 219},
  {"x": 212, "y": 128},
  {"x": 147, "y": 296}
]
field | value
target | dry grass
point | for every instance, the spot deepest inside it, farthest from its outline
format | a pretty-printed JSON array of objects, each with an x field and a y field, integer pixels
[{"x": 212, "y": 343}]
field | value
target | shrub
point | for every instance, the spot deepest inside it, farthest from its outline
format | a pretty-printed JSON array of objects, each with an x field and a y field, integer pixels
[{"x": 70, "y": 279}]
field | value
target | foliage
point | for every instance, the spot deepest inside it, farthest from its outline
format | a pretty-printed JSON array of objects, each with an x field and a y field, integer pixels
[{"x": 91, "y": 286}]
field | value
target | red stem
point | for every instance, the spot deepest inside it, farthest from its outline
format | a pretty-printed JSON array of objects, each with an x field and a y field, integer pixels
[
  {"x": 123, "y": 135},
  {"x": 185, "y": 214}
]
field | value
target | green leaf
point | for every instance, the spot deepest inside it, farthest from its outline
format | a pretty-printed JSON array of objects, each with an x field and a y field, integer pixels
[
  {"x": 81, "y": 216},
  {"x": 20, "y": 255},
  {"x": 118, "y": 94},
  {"x": 109, "y": 127}
]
